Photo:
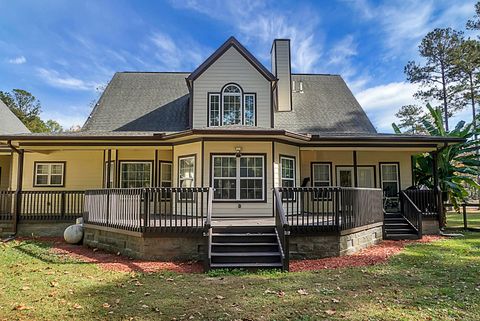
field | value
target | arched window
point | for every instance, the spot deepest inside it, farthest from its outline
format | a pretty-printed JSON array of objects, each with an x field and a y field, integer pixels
[{"x": 232, "y": 105}]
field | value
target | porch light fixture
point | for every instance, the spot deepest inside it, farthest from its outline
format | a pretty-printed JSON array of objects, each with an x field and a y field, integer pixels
[{"x": 238, "y": 151}]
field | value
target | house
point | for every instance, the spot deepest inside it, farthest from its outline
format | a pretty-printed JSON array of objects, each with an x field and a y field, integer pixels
[{"x": 234, "y": 163}]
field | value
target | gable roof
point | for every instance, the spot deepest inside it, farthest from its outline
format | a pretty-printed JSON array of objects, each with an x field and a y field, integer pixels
[
  {"x": 142, "y": 101},
  {"x": 232, "y": 42},
  {"x": 9, "y": 123},
  {"x": 326, "y": 106}
]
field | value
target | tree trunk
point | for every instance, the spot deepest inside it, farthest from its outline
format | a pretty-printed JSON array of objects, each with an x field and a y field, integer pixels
[{"x": 444, "y": 90}]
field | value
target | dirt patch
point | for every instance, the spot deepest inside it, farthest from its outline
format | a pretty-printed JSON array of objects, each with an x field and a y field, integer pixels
[{"x": 372, "y": 255}]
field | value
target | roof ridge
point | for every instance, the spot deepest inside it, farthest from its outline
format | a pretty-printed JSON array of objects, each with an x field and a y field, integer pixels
[
  {"x": 154, "y": 72},
  {"x": 313, "y": 74}
]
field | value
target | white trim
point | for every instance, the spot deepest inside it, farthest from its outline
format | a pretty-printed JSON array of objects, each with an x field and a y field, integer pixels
[
  {"x": 290, "y": 158},
  {"x": 49, "y": 174},
  {"x": 238, "y": 178},
  {"x": 244, "y": 109},
  {"x": 135, "y": 162},
  {"x": 179, "y": 169}
]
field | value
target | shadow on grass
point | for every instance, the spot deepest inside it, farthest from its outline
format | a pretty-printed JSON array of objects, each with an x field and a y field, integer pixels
[{"x": 436, "y": 280}]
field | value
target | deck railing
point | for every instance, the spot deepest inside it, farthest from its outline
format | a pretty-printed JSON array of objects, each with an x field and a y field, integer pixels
[
  {"x": 427, "y": 201},
  {"x": 411, "y": 212},
  {"x": 149, "y": 210},
  {"x": 52, "y": 206},
  {"x": 330, "y": 209},
  {"x": 282, "y": 228}
]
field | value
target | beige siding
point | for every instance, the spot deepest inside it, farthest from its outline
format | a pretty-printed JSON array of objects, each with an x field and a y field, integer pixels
[
  {"x": 83, "y": 169},
  {"x": 241, "y": 208},
  {"x": 339, "y": 158},
  {"x": 5, "y": 171},
  {"x": 286, "y": 150},
  {"x": 231, "y": 67},
  {"x": 193, "y": 149}
]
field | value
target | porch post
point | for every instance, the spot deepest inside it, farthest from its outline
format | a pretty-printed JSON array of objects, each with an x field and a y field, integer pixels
[
  {"x": 18, "y": 191},
  {"x": 355, "y": 181},
  {"x": 437, "y": 190},
  {"x": 109, "y": 167}
]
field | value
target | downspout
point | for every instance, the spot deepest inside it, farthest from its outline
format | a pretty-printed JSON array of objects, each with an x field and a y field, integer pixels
[{"x": 18, "y": 190}]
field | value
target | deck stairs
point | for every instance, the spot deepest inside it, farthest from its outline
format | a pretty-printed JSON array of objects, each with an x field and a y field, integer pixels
[
  {"x": 247, "y": 247},
  {"x": 398, "y": 228}
]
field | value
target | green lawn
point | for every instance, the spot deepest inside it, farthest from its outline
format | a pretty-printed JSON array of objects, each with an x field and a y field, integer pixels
[
  {"x": 455, "y": 220},
  {"x": 434, "y": 281}
]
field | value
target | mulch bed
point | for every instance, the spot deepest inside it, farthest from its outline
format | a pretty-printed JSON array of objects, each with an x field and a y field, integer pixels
[
  {"x": 375, "y": 254},
  {"x": 372, "y": 255}
]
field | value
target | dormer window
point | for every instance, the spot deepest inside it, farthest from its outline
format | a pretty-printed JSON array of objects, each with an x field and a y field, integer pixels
[{"x": 231, "y": 107}]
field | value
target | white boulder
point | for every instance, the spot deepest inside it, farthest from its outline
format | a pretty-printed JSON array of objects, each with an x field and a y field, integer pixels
[{"x": 73, "y": 234}]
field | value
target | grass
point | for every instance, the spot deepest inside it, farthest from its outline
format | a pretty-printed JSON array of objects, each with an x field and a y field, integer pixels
[
  {"x": 436, "y": 281},
  {"x": 455, "y": 220}
]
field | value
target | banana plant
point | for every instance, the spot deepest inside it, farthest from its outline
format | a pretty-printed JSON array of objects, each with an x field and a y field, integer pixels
[{"x": 458, "y": 165}]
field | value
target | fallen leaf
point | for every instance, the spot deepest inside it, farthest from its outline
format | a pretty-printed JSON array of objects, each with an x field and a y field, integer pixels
[
  {"x": 302, "y": 292},
  {"x": 25, "y": 288},
  {"x": 330, "y": 312},
  {"x": 77, "y": 306},
  {"x": 335, "y": 300},
  {"x": 106, "y": 305},
  {"x": 21, "y": 307},
  {"x": 220, "y": 297},
  {"x": 53, "y": 284}
]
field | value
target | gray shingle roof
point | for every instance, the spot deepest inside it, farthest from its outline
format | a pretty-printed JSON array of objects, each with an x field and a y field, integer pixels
[
  {"x": 142, "y": 101},
  {"x": 159, "y": 102},
  {"x": 9, "y": 123},
  {"x": 326, "y": 106}
]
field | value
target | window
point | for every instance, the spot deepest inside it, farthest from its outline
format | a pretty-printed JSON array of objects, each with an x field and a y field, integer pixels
[
  {"x": 165, "y": 174},
  {"x": 49, "y": 174},
  {"x": 238, "y": 178},
  {"x": 135, "y": 174},
  {"x": 186, "y": 171},
  {"x": 287, "y": 166},
  {"x": 389, "y": 179},
  {"x": 365, "y": 176},
  {"x": 232, "y": 105},
  {"x": 214, "y": 109},
  {"x": 249, "y": 109},
  {"x": 321, "y": 174}
]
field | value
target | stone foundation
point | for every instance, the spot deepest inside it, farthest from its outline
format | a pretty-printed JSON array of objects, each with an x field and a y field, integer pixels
[
  {"x": 347, "y": 242},
  {"x": 48, "y": 229},
  {"x": 430, "y": 225},
  {"x": 176, "y": 248}
]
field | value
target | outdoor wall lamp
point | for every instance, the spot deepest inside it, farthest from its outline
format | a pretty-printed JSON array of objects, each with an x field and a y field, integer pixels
[{"x": 238, "y": 151}]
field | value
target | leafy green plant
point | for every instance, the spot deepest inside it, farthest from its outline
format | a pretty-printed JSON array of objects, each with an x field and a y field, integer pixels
[{"x": 458, "y": 164}]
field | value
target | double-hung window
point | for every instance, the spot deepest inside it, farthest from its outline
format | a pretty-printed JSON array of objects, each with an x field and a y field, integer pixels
[
  {"x": 49, "y": 174},
  {"x": 186, "y": 171},
  {"x": 322, "y": 177},
  {"x": 287, "y": 175},
  {"x": 135, "y": 174},
  {"x": 239, "y": 178},
  {"x": 390, "y": 179},
  {"x": 232, "y": 106}
]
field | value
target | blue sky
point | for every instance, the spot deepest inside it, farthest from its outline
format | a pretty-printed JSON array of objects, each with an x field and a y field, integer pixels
[{"x": 61, "y": 51}]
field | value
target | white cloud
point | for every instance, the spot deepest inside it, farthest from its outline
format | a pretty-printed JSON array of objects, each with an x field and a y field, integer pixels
[
  {"x": 67, "y": 119},
  {"x": 259, "y": 22},
  {"x": 176, "y": 56},
  {"x": 383, "y": 101},
  {"x": 18, "y": 60},
  {"x": 54, "y": 78}
]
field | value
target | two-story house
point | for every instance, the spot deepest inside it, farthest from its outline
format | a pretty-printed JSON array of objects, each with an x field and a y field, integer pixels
[{"x": 235, "y": 161}]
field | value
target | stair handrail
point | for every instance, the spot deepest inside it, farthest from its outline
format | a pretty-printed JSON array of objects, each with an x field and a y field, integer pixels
[
  {"x": 418, "y": 214},
  {"x": 208, "y": 228},
  {"x": 282, "y": 228}
]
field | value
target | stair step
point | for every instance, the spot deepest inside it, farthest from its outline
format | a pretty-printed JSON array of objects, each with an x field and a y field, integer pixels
[
  {"x": 244, "y": 244},
  {"x": 246, "y": 265},
  {"x": 244, "y": 234},
  {"x": 246, "y": 253},
  {"x": 400, "y": 230},
  {"x": 401, "y": 236}
]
